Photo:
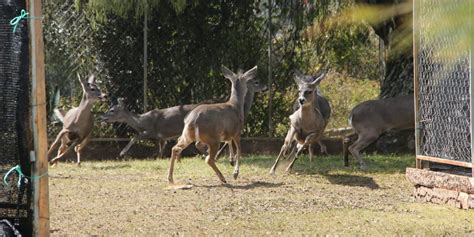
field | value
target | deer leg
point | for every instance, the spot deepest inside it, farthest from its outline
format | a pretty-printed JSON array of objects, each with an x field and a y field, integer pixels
[
  {"x": 362, "y": 142},
  {"x": 238, "y": 153},
  {"x": 345, "y": 145},
  {"x": 59, "y": 156},
  {"x": 162, "y": 145},
  {"x": 286, "y": 146},
  {"x": 79, "y": 148},
  {"x": 210, "y": 160},
  {"x": 127, "y": 147},
  {"x": 56, "y": 142},
  {"x": 323, "y": 147},
  {"x": 182, "y": 143},
  {"x": 299, "y": 148},
  {"x": 232, "y": 153},
  {"x": 310, "y": 152},
  {"x": 221, "y": 150}
]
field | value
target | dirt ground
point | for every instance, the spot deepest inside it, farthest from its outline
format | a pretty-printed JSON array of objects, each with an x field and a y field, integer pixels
[{"x": 124, "y": 198}]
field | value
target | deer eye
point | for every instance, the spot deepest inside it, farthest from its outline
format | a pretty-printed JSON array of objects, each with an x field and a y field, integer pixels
[{"x": 308, "y": 92}]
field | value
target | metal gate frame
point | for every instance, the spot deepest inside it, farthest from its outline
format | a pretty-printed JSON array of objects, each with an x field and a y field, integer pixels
[{"x": 416, "y": 86}]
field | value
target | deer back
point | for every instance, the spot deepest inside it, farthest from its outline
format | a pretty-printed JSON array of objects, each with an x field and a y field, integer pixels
[{"x": 384, "y": 114}]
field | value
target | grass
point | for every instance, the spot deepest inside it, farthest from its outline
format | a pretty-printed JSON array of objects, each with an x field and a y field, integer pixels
[{"x": 322, "y": 197}]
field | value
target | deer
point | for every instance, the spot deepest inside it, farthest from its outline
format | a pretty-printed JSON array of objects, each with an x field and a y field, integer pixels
[
  {"x": 253, "y": 86},
  {"x": 307, "y": 123},
  {"x": 210, "y": 124},
  {"x": 158, "y": 125},
  {"x": 372, "y": 118},
  {"x": 77, "y": 122},
  {"x": 325, "y": 108}
]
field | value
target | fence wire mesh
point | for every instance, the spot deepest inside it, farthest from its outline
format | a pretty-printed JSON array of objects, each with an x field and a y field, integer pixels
[
  {"x": 76, "y": 46},
  {"x": 15, "y": 134},
  {"x": 444, "y": 77}
]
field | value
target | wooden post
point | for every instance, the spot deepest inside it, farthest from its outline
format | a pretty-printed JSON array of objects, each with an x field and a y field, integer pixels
[
  {"x": 38, "y": 111},
  {"x": 416, "y": 85}
]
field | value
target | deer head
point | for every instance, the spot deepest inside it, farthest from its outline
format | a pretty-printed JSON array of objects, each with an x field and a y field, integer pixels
[
  {"x": 307, "y": 86},
  {"x": 116, "y": 113},
  {"x": 91, "y": 91}
]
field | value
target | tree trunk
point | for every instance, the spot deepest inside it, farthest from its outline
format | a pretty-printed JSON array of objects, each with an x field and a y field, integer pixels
[{"x": 399, "y": 64}]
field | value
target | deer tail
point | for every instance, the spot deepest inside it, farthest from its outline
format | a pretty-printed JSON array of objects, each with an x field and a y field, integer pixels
[{"x": 59, "y": 114}]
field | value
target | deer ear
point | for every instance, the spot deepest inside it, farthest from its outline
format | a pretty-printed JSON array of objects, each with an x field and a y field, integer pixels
[
  {"x": 318, "y": 78},
  {"x": 227, "y": 73},
  {"x": 250, "y": 74},
  {"x": 121, "y": 101},
  {"x": 297, "y": 76},
  {"x": 91, "y": 79},
  {"x": 81, "y": 80}
]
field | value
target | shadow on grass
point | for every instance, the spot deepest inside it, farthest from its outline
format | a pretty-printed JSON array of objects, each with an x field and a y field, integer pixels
[
  {"x": 112, "y": 166},
  {"x": 351, "y": 180},
  {"x": 248, "y": 186},
  {"x": 380, "y": 164}
]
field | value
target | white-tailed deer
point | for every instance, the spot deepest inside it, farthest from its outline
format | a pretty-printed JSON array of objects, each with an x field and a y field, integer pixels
[
  {"x": 372, "y": 118},
  {"x": 211, "y": 124},
  {"x": 307, "y": 124},
  {"x": 158, "y": 125},
  {"x": 253, "y": 86},
  {"x": 77, "y": 122}
]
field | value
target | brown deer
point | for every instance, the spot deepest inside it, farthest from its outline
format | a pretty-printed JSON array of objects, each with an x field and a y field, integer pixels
[
  {"x": 307, "y": 124},
  {"x": 253, "y": 86},
  {"x": 158, "y": 125},
  {"x": 372, "y": 118},
  {"x": 77, "y": 122},
  {"x": 210, "y": 124}
]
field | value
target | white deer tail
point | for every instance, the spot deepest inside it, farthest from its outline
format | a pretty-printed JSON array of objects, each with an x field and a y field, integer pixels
[{"x": 59, "y": 115}]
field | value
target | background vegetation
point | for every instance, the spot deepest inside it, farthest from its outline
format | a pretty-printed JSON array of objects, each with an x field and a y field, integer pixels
[{"x": 189, "y": 40}]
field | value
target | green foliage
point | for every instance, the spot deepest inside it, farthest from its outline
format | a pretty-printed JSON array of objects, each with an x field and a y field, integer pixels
[{"x": 189, "y": 40}]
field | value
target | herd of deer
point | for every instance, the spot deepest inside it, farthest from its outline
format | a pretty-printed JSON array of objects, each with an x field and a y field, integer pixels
[{"x": 210, "y": 124}]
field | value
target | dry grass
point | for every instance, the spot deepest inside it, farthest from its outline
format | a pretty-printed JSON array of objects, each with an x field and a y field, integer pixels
[{"x": 131, "y": 198}]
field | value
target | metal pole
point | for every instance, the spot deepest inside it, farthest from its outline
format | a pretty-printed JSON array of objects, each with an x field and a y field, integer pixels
[
  {"x": 145, "y": 60},
  {"x": 416, "y": 85},
  {"x": 471, "y": 84},
  {"x": 270, "y": 79}
]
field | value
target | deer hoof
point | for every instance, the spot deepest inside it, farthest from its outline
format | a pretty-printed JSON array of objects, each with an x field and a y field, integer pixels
[
  {"x": 236, "y": 175},
  {"x": 232, "y": 162}
]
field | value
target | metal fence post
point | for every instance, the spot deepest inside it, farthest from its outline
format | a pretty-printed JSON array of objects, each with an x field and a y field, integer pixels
[
  {"x": 270, "y": 79},
  {"x": 145, "y": 60},
  {"x": 471, "y": 84}
]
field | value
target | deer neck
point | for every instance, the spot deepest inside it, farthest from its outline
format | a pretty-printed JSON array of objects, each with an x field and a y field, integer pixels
[
  {"x": 84, "y": 109},
  {"x": 133, "y": 120},
  {"x": 248, "y": 102},
  {"x": 237, "y": 99},
  {"x": 310, "y": 109}
]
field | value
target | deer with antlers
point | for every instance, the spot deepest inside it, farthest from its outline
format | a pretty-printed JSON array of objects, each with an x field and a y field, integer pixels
[{"x": 210, "y": 124}]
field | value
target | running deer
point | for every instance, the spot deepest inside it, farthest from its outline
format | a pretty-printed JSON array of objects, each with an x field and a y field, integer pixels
[
  {"x": 211, "y": 124},
  {"x": 77, "y": 122},
  {"x": 253, "y": 86},
  {"x": 325, "y": 109},
  {"x": 372, "y": 118},
  {"x": 158, "y": 125},
  {"x": 307, "y": 124}
]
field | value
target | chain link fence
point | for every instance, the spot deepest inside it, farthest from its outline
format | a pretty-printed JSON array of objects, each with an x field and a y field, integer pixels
[
  {"x": 76, "y": 46},
  {"x": 444, "y": 75}
]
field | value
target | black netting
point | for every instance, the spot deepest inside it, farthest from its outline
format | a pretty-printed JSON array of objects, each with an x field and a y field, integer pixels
[
  {"x": 444, "y": 76},
  {"x": 15, "y": 133}
]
